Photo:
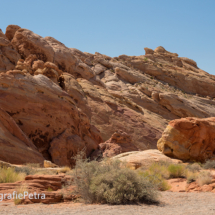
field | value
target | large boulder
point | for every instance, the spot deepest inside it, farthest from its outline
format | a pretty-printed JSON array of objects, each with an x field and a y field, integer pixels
[
  {"x": 63, "y": 57},
  {"x": 27, "y": 42},
  {"x": 51, "y": 71},
  {"x": 16, "y": 147},
  {"x": 119, "y": 142},
  {"x": 144, "y": 159},
  {"x": 69, "y": 146},
  {"x": 11, "y": 30},
  {"x": 189, "y": 139},
  {"x": 189, "y": 61},
  {"x": 8, "y": 56},
  {"x": 67, "y": 61},
  {"x": 79, "y": 54}
]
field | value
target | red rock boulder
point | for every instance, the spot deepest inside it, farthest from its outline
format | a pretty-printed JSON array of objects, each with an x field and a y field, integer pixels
[
  {"x": 119, "y": 142},
  {"x": 189, "y": 139}
]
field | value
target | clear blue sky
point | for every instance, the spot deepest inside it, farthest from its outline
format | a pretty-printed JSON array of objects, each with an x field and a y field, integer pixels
[{"x": 115, "y": 27}]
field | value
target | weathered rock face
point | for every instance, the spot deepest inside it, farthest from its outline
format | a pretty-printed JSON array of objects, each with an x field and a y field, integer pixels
[
  {"x": 8, "y": 56},
  {"x": 130, "y": 76},
  {"x": 144, "y": 159},
  {"x": 94, "y": 95},
  {"x": 11, "y": 30},
  {"x": 26, "y": 42},
  {"x": 79, "y": 54},
  {"x": 69, "y": 83},
  {"x": 45, "y": 112},
  {"x": 189, "y": 138},
  {"x": 49, "y": 49},
  {"x": 15, "y": 146},
  {"x": 2, "y": 34},
  {"x": 119, "y": 142},
  {"x": 180, "y": 72},
  {"x": 110, "y": 112},
  {"x": 64, "y": 58},
  {"x": 69, "y": 146},
  {"x": 39, "y": 184}
]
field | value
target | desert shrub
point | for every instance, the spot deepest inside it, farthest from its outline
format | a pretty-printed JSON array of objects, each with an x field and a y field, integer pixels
[
  {"x": 191, "y": 176},
  {"x": 49, "y": 189},
  {"x": 195, "y": 167},
  {"x": 204, "y": 178},
  {"x": 111, "y": 182},
  {"x": 160, "y": 168},
  {"x": 210, "y": 164},
  {"x": 9, "y": 175},
  {"x": 20, "y": 190},
  {"x": 176, "y": 170},
  {"x": 156, "y": 179},
  {"x": 167, "y": 170},
  {"x": 121, "y": 187},
  {"x": 24, "y": 169},
  {"x": 64, "y": 169},
  {"x": 34, "y": 165},
  {"x": 163, "y": 186}
]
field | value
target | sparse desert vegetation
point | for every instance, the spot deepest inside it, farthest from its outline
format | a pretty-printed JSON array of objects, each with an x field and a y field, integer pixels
[
  {"x": 20, "y": 190},
  {"x": 204, "y": 178},
  {"x": 210, "y": 164},
  {"x": 9, "y": 175},
  {"x": 111, "y": 182},
  {"x": 194, "y": 167}
]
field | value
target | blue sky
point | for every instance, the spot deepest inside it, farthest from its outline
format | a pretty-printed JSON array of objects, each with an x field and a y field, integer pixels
[{"x": 115, "y": 27}]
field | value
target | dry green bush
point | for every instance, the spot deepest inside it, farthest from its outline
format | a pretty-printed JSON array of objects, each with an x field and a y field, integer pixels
[
  {"x": 191, "y": 176},
  {"x": 111, "y": 182},
  {"x": 24, "y": 169},
  {"x": 176, "y": 170},
  {"x": 160, "y": 168},
  {"x": 9, "y": 175},
  {"x": 210, "y": 164},
  {"x": 157, "y": 179},
  {"x": 20, "y": 190},
  {"x": 49, "y": 189},
  {"x": 204, "y": 178},
  {"x": 195, "y": 167}
]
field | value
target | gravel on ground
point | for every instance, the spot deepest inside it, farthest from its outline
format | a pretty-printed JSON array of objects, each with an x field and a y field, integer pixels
[{"x": 172, "y": 203}]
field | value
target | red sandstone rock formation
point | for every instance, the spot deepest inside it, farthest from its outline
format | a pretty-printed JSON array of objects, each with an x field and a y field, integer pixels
[
  {"x": 94, "y": 95},
  {"x": 119, "y": 142},
  {"x": 44, "y": 111},
  {"x": 189, "y": 139},
  {"x": 15, "y": 146},
  {"x": 41, "y": 184}
]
